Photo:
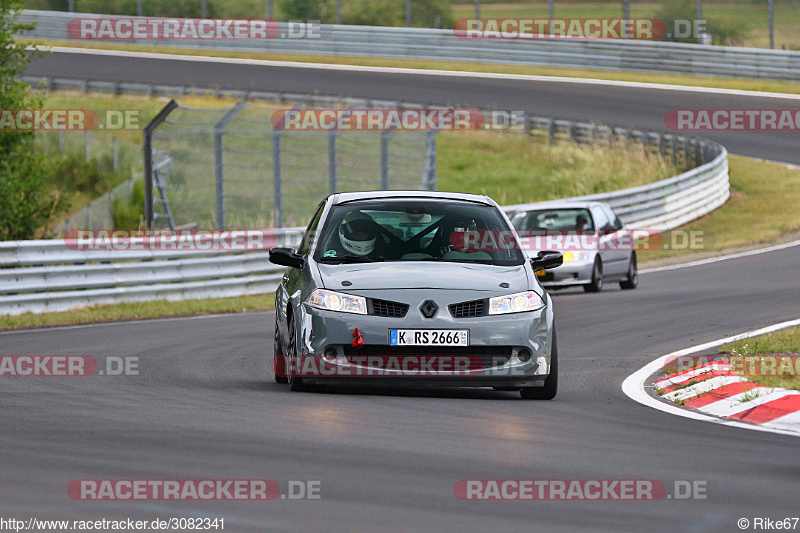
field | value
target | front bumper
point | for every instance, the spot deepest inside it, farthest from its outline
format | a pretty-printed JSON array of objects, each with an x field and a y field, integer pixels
[
  {"x": 508, "y": 334},
  {"x": 568, "y": 274}
]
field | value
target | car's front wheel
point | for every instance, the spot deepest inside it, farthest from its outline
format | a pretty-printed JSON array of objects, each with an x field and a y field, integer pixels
[
  {"x": 550, "y": 388},
  {"x": 632, "y": 281},
  {"x": 295, "y": 382},
  {"x": 597, "y": 277},
  {"x": 278, "y": 357}
]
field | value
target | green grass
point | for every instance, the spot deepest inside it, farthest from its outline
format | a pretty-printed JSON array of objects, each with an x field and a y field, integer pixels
[
  {"x": 140, "y": 310},
  {"x": 762, "y": 208},
  {"x": 786, "y": 341},
  {"x": 464, "y": 66},
  {"x": 511, "y": 168}
]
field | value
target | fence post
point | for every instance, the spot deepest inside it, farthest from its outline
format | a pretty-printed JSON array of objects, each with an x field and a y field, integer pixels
[
  {"x": 219, "y": 179},
  {"x": 430, "y": 178},
  {"x": 385, "y": 160},
  {"x": 86, "y": 145},
  {"x": 333, "y": 176},
  {"x": 116, "y": 153},
  {"x": 276, "y": 178},
  {"x": 219, "y": 159},
  {"x": 147, "y": 154},
  {"x": 61, "y": 142}
]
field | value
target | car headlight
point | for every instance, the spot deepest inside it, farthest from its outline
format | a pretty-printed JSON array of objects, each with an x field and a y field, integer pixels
[
  {"x": 515, "y": 303},
  {"x": 336, "y": 301},
  {"x": 575, "y": 256}
]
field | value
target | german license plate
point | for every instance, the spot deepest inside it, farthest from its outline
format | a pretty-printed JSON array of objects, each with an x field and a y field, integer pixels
[{"x": 429, "y": 337}]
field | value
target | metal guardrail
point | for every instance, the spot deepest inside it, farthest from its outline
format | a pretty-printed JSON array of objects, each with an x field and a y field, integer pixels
[
  {"x": 42, "y": 276},
  {"x": 432, "y": 44},
  {"x": 54, "y": 275}
]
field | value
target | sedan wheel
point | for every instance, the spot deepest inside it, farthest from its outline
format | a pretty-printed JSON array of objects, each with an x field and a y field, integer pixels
[
  {"x": 295, "y": 382},
  {"x": 278, "y": 359},
  {"x": 548, "y": 392},
  {"x": 597, "y": 278},
  {"x": 632, "y": 281}
]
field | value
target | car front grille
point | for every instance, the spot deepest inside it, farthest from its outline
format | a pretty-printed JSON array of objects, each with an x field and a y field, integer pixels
[
  {"x": 485, "y": 356},
  {"x": 386, "y": 308},
  {"x": 468, "y": 309}
]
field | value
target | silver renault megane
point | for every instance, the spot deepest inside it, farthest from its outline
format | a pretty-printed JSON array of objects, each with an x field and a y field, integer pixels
[{"x": 382, "y": 289}]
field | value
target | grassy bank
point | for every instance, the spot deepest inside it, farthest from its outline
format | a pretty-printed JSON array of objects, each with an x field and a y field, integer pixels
[
  {"x": 786, "y": 341},
  {"x": 762, "y": 208},
  {"x": 512, "y": 169},
  {"x": 139, "y": 311}
]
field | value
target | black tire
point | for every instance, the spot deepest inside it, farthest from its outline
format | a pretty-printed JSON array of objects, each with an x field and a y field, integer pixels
[
  {"x": 597, "y": 277},
  {"x": 295, "y": 382},
  {"x": 550, "y": 389},
  {"x": 632, "y": 281},
  {"x": 278, "y": 357}
]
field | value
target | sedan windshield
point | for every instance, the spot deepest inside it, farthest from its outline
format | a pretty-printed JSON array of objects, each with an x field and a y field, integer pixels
[
  {"x": 554, "y": 219},
  {"x": 413, "y": 229}
]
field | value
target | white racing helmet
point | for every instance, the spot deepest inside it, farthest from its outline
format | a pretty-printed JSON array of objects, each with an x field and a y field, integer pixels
[{"x": 357, "y": 233}]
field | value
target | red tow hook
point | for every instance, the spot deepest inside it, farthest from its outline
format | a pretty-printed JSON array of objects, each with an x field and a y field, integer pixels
[{"x": 358, "y": 342}]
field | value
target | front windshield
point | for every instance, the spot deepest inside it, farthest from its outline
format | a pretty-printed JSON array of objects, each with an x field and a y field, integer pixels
[
  {"x": 554, "y": 219},
  {"x": 412, "y": 229}
]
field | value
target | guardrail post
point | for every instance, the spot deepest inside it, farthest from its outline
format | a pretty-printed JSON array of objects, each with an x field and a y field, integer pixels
[
  {"x": 61, "y": 141},
  {"x": 551, "y": 131},
  {"x": 384, "y": 160},
  {"x": 277, "y": 185},
  {"x": 333, "y": 170},
  {"x": 86, "y": 145}
]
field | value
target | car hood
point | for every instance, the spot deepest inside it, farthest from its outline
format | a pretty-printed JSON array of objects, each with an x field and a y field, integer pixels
[{"x": 424, "y": 275}]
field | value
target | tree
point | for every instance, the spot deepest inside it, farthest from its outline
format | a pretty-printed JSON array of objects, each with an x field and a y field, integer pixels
[{"x": 25, "y": 200}]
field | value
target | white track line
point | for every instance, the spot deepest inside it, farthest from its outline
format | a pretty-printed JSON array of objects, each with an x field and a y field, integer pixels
[
  {"x": 633, "y": 386},
  {"x": 723, "y": 257},
  {"x": 415, "y": 71}
]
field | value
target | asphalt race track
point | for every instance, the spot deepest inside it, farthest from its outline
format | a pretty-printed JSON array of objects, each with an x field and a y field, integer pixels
[
  {"x": 644, "y": 108},
  {"x": 204, "y": 405}
]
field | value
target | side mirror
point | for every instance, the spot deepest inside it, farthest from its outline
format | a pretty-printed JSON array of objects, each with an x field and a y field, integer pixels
[
  {"x": 545, "y": 260},
  {"x": 286, "y": 257}
]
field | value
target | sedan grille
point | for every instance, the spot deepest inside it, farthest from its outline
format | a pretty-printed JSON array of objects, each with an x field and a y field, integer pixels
[
  {"x": 489, "y": 356},
  {"x": 386, "y": 308},
  {"x": 468, "y": 309}
]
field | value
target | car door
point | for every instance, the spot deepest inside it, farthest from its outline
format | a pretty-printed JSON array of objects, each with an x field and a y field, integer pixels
[{"x": 618, "y": 253}]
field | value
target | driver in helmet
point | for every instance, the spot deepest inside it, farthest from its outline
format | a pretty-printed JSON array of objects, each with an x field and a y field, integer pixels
[{"x": 358, "y": 235}]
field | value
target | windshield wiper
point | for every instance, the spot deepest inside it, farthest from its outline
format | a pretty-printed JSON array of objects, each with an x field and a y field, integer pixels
[{"x": 350, "y": 259}]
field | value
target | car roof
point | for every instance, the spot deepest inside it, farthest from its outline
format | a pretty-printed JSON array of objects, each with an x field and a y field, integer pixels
[
  {"x": 344, "y": 197},
  {"x": 560, "y": 204}
]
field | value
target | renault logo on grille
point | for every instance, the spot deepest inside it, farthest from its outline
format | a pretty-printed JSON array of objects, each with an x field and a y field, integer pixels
[{"x": 428, "y": 309}]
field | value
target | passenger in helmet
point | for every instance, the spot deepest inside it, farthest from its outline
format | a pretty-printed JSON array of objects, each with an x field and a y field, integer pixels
[{"x": 358, "y": 233}]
